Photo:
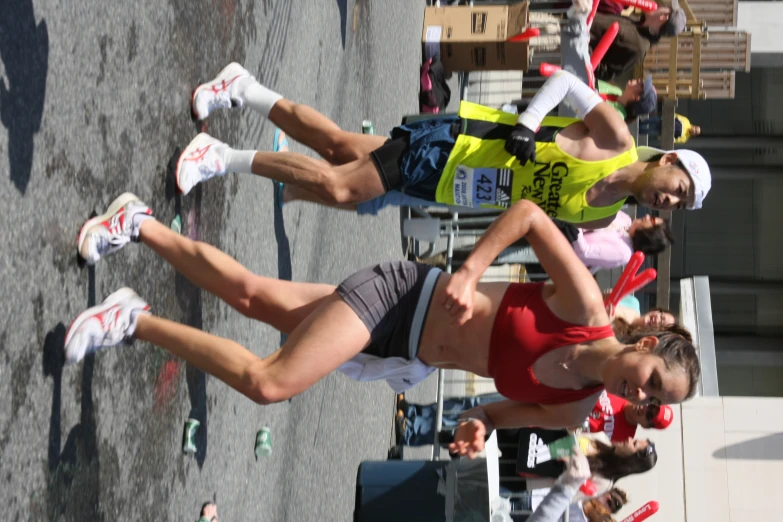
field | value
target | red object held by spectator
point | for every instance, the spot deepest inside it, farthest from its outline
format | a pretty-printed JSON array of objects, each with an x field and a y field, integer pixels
[
  {"x": 643, "y": 513},
  {"x": 588, "y": 488},
  {"x": 618, "y": 292},
  {"x": 604, "y": 44},
  {"x": 647, "y": 6}
]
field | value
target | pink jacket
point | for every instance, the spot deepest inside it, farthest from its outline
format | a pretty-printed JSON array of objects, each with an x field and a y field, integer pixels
[{"x": 608, "y": 247}]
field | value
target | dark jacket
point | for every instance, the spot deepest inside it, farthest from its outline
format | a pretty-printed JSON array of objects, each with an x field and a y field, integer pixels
[{"x": 629, "y": 48}]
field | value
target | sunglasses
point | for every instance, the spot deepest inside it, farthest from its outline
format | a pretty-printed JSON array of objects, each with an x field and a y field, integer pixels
[{"x": 650, "y": 450}]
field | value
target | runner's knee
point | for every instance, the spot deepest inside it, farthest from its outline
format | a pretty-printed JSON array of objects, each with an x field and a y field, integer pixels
[
  {"x": 335, "y": 191},
  {"x": 247, "y": 300}
]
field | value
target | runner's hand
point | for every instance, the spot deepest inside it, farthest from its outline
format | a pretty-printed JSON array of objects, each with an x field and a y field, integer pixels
[
  {"x": 459, "y": 296},
  {"x": 469, "y": 439},
  {"x": 521, "y": 143}
]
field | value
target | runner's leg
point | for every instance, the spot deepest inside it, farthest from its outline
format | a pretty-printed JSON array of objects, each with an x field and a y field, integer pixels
[
  {"x": 206, "y": 157},
  {"x": 235, "y": 87},
  {"x": 281, "y": 304},
  {"x": 292, "y": 193},
  {"x": 327, "y": 338},
  {"x": 313, "y": 129}
]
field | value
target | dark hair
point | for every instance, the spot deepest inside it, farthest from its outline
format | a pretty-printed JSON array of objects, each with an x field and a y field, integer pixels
[
  {"x": 596, "y": 512},
  {"x": 629, "y": 333},
  {"x": 657, "y": 157},
  {"x": 675, "y": 347},
  {"x": 652, "y": 240},
  {"x": 607, "y": 463},
  {"x": 617, "y": 499}
]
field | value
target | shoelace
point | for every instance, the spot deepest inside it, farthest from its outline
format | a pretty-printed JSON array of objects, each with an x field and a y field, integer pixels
[
  {"x": 221, "y": 100},
  {"x": 105, "y": 244},
  {"x": 113, "y": 328},
  {"x": 207, "y": 171}
]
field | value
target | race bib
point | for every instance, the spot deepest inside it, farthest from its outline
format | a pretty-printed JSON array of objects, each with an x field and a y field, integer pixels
[{"x": 474, "y": 187}]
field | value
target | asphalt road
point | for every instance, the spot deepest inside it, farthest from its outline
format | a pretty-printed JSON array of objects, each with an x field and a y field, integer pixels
[{"x": 93, "y": 102}]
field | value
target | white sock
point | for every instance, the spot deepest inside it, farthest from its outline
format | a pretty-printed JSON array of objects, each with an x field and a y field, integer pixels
[
  {"x": 258, "y": 97},
  {"x": 239, "y": 160}
]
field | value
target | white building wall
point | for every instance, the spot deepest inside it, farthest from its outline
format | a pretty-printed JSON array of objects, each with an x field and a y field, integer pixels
[
  {"x": 764, "y": 20},
  {"x": 719, "y": 462}
]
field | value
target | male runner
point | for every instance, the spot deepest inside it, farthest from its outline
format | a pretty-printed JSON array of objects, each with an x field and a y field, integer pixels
[{"x": 577, "y": 171}]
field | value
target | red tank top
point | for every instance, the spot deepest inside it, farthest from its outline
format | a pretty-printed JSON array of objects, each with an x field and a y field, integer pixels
[{"x": 524, "y": 330}]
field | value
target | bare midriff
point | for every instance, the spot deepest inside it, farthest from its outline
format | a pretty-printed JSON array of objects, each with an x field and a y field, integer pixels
[{"x": 446, "y": 345}]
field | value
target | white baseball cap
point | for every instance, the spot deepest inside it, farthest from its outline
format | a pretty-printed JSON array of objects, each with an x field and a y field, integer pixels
[{"x": 693, "y": 163}]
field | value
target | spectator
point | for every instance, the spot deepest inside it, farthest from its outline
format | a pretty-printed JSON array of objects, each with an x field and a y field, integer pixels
[
  {"x": 620, "y": 419},
  {"x": 609, "y": 462},
  {"x": 638, "y": 98},
  {"x": 613, "y": 246},
  {"x": 559, "y": 498},
  {"x": 683, "y": 129},
  {"x": 635, "y": 37},
  {"x": 626, "y": 319}
]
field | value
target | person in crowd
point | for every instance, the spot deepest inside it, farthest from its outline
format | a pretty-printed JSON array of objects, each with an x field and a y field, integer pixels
[
  {"x": 557, "y": 335},
  {"x": 683, "y": 129},
  {"x": 560, "y": 497},
  {"x": 638, "y": 98},
  {"x": 577, "y": 171},
  {"x": 609, "y": 461},
  {"x": 613, "y": 246},
  {"x": 636, "y": 36},
  {"x": 625, "y": 317}
]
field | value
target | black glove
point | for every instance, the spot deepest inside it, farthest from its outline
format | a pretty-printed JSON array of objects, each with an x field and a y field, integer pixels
[{"x": 522, "y": 144}]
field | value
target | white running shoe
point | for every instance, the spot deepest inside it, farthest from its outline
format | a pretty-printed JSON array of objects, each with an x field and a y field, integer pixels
[
  {"x": 103, "y": 326},
  {"x": 109, "y": 232},
  {"x": 202, "y": 159},
  {"x": 220, "y": 93}
]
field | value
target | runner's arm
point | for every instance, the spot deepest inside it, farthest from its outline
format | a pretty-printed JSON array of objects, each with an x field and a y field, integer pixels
[
  {"x": 580, "y": 294},
  {"x": 470, "y": 435},
  {"x": 512, "y": 414},
  {"x": 604, "y": 123}
]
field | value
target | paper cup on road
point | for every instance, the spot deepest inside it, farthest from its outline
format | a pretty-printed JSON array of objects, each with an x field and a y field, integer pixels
[
  {"x": 189, "y": 435},
  {"x": 263, "y": 443}
]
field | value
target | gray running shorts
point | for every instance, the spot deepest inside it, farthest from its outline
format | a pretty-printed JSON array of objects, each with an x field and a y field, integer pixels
[{"x": 392, "y": 300}]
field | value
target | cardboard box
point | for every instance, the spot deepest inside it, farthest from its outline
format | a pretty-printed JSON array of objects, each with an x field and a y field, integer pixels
[{"x": 474, "y": 38}]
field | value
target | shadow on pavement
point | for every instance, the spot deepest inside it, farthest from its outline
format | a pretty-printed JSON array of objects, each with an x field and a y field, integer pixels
[
  {"x": 342, "y": 5},
  {"x": 189, "y": 298},
  {"x": 74, "y": 472},
  {"x": 24, "y": 51},
  {"x": 284, "y": 269}
]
